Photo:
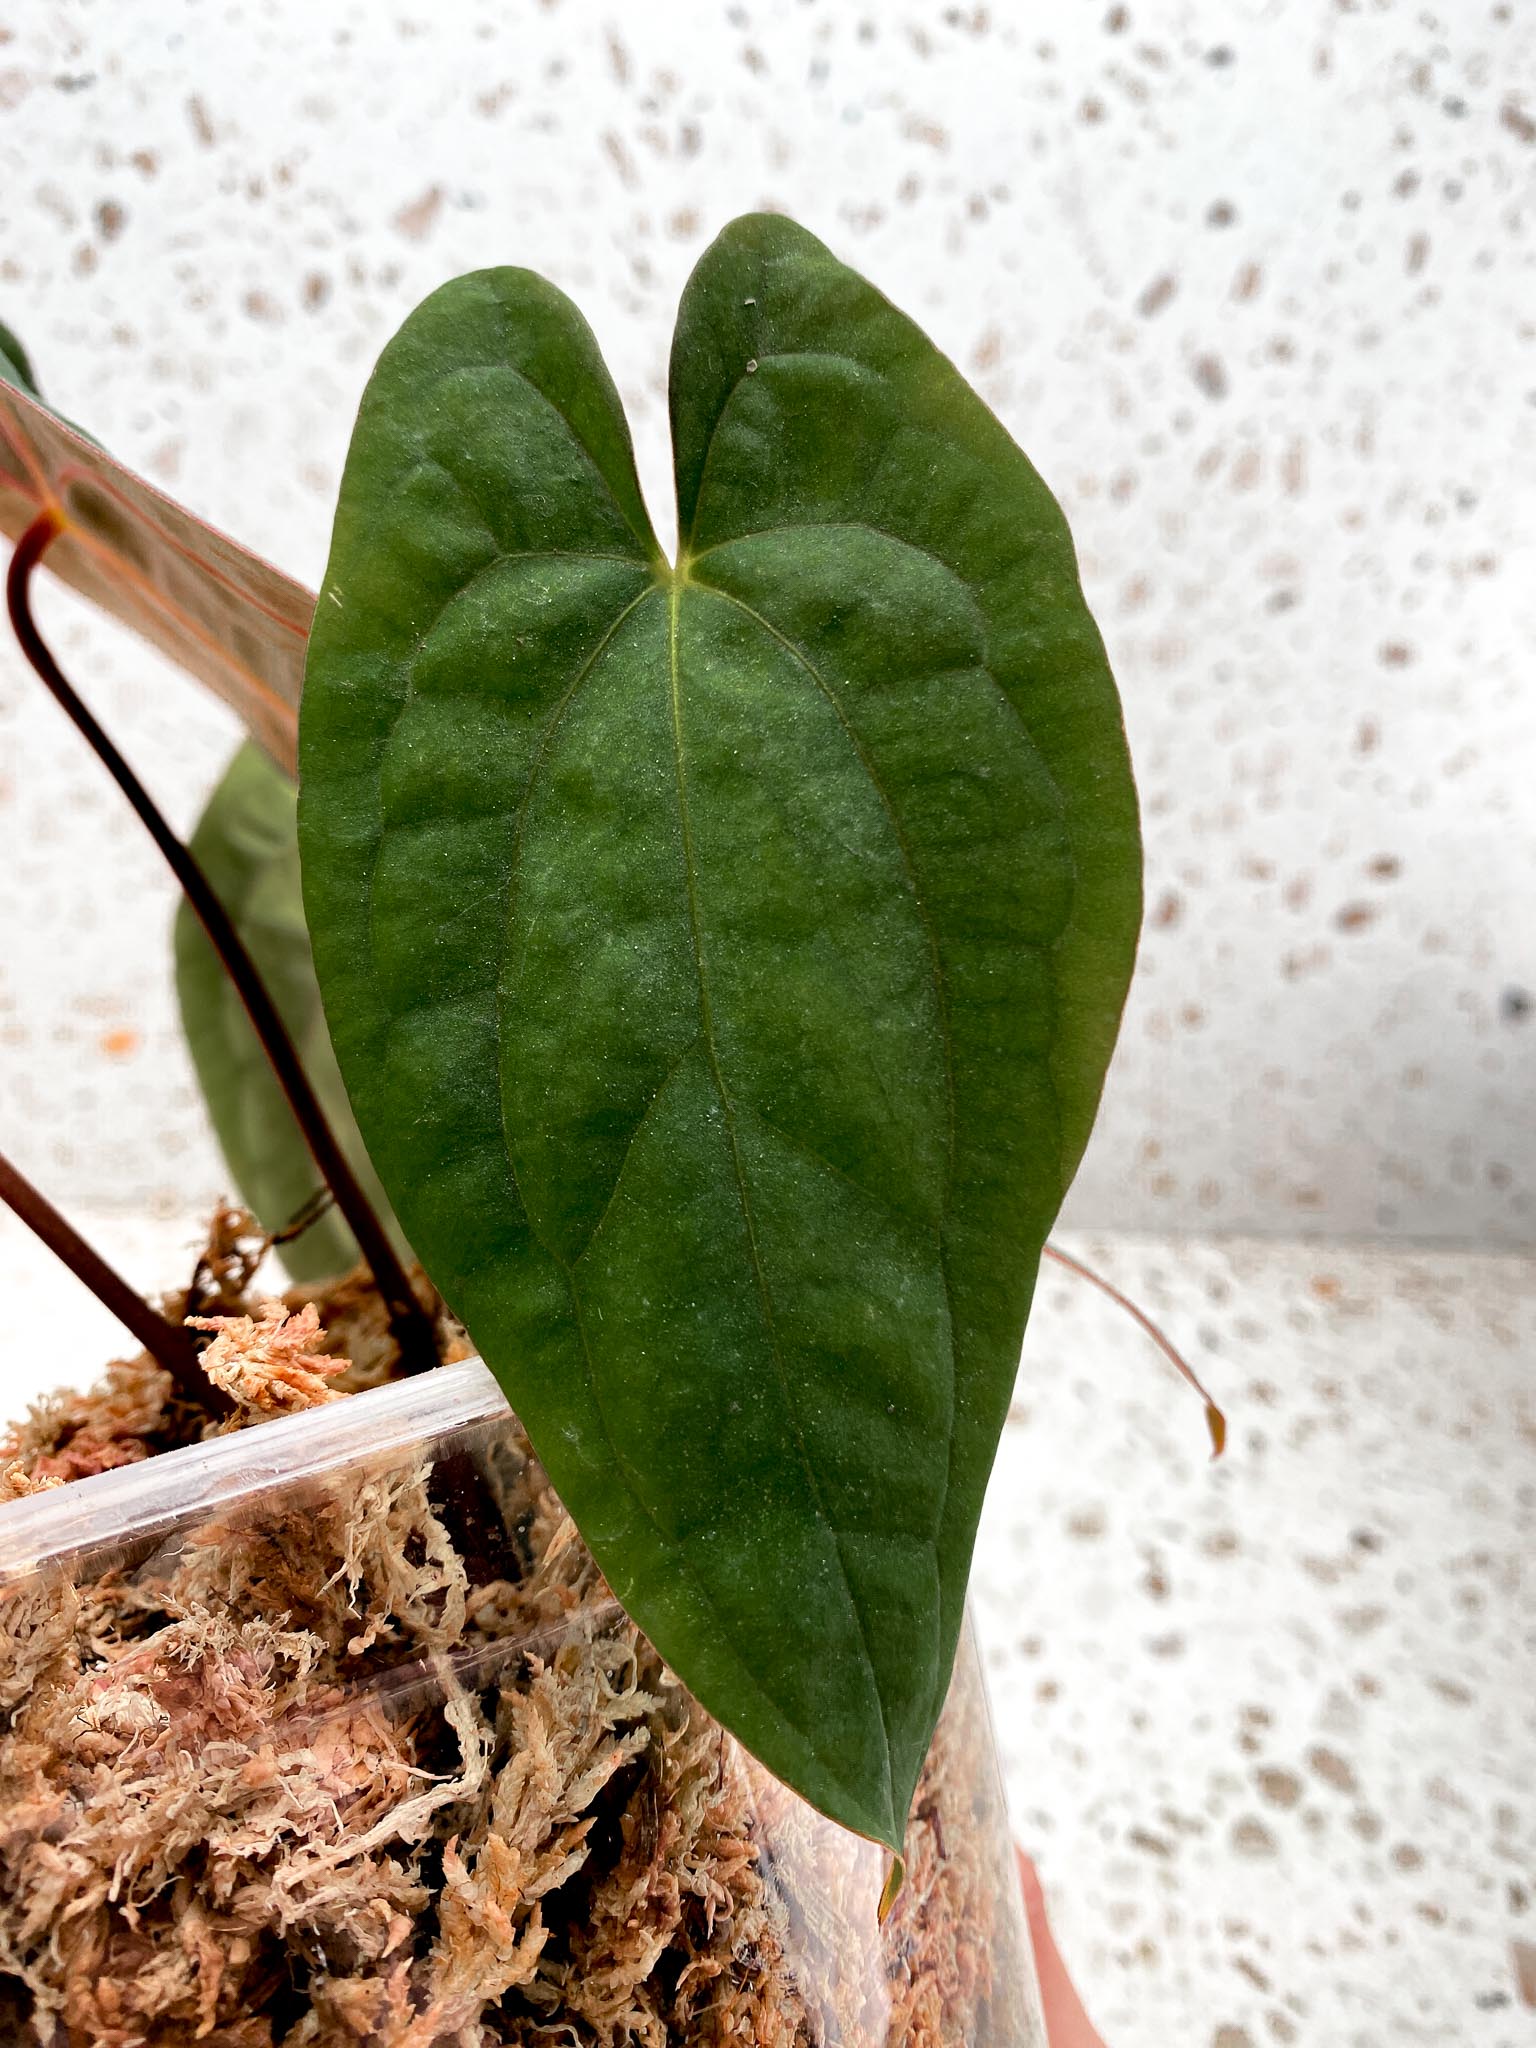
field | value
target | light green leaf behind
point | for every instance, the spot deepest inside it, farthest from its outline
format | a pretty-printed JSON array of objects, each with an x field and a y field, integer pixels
[{"x": 247, "y": 845}]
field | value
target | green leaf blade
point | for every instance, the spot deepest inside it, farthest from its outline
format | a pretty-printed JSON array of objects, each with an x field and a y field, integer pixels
[
  {"x": 932, "y": 467},
  {"x": 724, "y": 962},
  {"x": 1024, "y": 842}
]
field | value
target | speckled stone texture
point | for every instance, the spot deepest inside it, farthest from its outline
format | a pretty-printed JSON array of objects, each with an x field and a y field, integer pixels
[
  {"x": 1269, "y": 1725},
  {"x": 1253, "y": 285}
]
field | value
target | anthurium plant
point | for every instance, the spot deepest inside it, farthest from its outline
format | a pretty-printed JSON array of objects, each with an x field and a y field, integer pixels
[{"x": 721, "y": 955}]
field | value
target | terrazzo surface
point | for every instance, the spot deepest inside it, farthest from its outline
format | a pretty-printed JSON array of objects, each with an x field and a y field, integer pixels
[
  {"x": 1253, "y": 284},
  {"x": 1267, "y": 1725}
]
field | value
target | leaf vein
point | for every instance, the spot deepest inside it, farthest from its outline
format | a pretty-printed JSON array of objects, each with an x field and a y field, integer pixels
[
  {"x": 514, "y": 861},
  {"x": 803, "y": 1145},
  {"x": 759, "y": 1273},
  {"x": 674, "y": 1548},
  {"x": 798, "y": 526},
  {"x": 613, "y": 1193},
  {"x": 904, "y": 847},
  {"x": 647, "y": 539},
  {"x": 451, "y": 603},
  {"x": 798, "y": 654}
]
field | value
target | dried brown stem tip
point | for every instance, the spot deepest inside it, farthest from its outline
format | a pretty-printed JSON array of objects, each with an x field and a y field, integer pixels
[
  {"x": 411, "y": 1325},
  {"x": 1215, "y": 1421}
]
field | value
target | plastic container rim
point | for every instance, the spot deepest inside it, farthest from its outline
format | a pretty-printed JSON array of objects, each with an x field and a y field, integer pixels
[{"x": 155, "y": 1494}]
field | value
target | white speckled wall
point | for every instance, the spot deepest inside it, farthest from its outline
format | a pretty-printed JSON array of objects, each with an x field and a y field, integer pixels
[{"x": 1252, "y": 283}]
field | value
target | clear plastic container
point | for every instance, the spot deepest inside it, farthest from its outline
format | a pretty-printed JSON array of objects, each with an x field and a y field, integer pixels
[{"x": 329, "y": 1732}]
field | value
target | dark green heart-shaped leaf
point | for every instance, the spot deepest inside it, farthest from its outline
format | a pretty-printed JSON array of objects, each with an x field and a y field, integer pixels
[
  {"x": 724, "y": 963},
  {"x": 247, "y": 845}
]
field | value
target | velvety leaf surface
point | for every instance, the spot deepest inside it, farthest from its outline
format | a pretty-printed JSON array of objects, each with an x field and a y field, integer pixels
[
  {"x": 724, "y": 961},
  {"x": 247, "y": 845}
]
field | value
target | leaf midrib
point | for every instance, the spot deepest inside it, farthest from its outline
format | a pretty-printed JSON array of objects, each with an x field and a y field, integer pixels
[
  {"x": 728, "y": 1113},
  {"x": 671, "y": 589},
  {"x": 797, "y": 654},
  {"x": 941, "y": 987},
  {"x": 668, "y": 582},
  {"x": 655, "y": 587}
]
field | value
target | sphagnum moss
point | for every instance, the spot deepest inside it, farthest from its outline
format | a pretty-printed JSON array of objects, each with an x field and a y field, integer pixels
[{"x": 301, "y": 1781}]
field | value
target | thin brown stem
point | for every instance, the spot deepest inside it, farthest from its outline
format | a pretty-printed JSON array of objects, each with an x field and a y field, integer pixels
[
  {"x": 411, "y": 1325},
  {"x": 304, "y": 1218},
  {"x": 170, "y": 1346},
  {"x": 1215, "y": 1421}
]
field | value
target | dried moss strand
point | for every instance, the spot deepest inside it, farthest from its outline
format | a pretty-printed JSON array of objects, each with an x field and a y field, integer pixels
[{"x": 412, "y": 1327}]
